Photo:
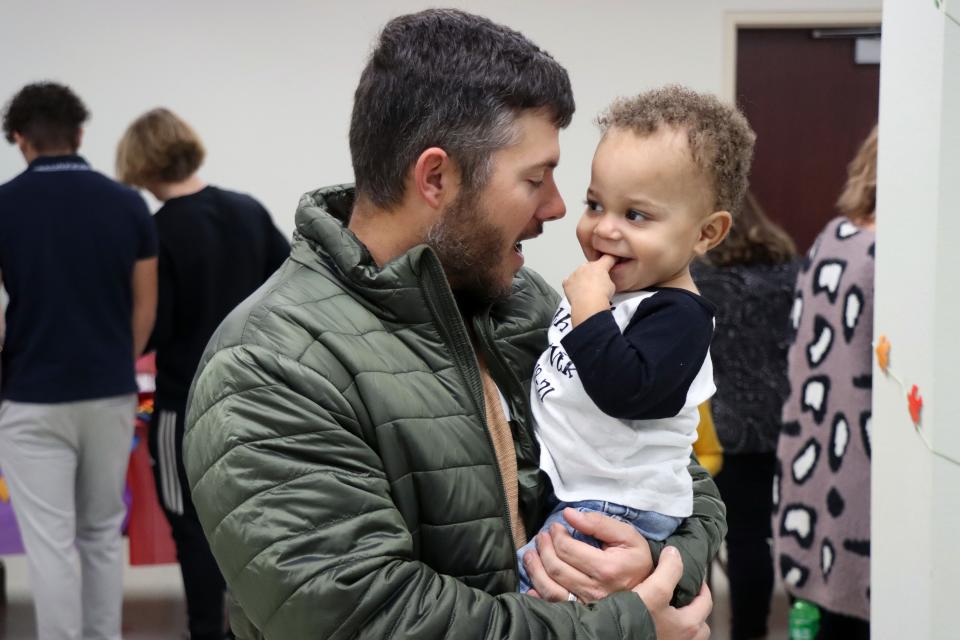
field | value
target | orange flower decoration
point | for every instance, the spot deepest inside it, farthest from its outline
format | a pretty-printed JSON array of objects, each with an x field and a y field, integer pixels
[
  {"x": 883, "y": 353},
  {"x": 4, "y": 492},
  {"x": 915, "y": 404}
]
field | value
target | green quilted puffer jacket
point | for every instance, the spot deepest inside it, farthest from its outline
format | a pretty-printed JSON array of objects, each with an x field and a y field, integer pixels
[{"x": 340, "y": 463}]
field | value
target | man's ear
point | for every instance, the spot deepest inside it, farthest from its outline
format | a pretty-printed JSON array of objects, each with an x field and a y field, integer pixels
[
  {"x": 713, "y": 230},
  {"x": 435, "y": 178}
]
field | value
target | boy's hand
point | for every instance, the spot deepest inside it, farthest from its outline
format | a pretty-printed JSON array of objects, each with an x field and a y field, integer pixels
[{"x": 590, "y": 288}]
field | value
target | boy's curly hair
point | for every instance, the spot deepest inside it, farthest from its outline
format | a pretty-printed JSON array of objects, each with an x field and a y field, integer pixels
[
  {"x": 47, "y": 114},
  {"x": 719, "y": 136}
]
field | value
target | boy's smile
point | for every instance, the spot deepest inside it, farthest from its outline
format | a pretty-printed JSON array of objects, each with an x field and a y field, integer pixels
[{"x": 645, "y": 207}]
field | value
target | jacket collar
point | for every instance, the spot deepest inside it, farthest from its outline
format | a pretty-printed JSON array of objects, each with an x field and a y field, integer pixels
[
  {"x": 398, "y": 289},
  {"x": 322, "y": 219}
]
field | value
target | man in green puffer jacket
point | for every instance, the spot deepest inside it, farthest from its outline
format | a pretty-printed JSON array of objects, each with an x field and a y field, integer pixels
[{"x": 359, "y": 445}]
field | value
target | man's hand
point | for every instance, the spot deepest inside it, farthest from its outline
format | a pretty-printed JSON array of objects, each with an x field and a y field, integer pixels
[
  {"x": 590, "y": 288},
  {"x": 562, "y": 565},
  {"x": 686, "y": 623}
]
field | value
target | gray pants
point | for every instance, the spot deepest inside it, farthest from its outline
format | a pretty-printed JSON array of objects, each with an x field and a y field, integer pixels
[{"x": 66, "y": 465}]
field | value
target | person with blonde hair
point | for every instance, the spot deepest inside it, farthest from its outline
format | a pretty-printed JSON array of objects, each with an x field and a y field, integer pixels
[
  {"x": 821, "y": 521},
  {"x": 216, "y": 248},
  {"x": 750, "y": 278}
]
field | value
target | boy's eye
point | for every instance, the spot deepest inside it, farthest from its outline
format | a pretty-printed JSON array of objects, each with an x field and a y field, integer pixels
[
  {"x": 635, "y": 216},
  {"x": 593, "y": 205},
  {"x": 536, "y": 183}
]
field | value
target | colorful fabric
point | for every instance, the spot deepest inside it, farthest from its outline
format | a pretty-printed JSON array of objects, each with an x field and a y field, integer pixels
[{"x": 10, "y": 542}]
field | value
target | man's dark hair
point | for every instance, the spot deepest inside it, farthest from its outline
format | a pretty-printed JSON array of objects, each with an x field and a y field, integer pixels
[
  {"x": 47, "y": 114},
  {"x": 452, "y": 80}
]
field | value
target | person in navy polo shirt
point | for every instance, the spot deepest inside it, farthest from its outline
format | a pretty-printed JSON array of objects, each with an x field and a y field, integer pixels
[{"x": 78, "y": 260}]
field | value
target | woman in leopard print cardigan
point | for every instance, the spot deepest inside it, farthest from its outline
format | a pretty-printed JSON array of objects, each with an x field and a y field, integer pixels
[{"x": 821, "y": 521}]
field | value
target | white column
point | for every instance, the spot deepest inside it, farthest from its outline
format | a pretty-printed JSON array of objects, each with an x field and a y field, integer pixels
[{"x": 916, "y": 480}]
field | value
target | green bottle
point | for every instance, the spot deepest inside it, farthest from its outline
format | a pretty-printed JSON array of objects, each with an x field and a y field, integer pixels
[{"x": 804, "y": 622}]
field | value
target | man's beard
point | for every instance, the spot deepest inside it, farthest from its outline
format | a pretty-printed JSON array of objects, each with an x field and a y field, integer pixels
[{"x": 471, "y": 250}]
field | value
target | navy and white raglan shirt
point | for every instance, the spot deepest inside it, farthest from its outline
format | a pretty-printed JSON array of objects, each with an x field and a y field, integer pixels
[{"x": 615, "y": 400}]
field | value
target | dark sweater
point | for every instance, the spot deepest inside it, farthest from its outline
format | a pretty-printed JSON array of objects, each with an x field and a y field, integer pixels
[
  {"x": 749, "y": 350},
  {"x": 216, "y": 248}
]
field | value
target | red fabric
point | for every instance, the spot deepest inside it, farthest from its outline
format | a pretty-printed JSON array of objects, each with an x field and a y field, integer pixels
[
  {"x": 147, "y": 529},
  {"x": 147, "y": 363}
]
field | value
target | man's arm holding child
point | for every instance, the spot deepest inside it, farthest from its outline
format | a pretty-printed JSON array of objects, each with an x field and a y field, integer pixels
[
  {"x": 563, "y": 565},
  {"x": 266, "y": 437}
]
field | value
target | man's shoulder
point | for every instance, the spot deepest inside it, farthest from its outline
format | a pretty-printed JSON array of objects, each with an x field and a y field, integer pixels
[
  {"x": 7, "y": 195},
  {"x": 14, "y": 188},
  {"x": 290, "y": 311},
  {"x": 90, "y": 177},
  {"x": 122, "y": 192},
  {"x": 88, "y": 188},
  {"x": 241, "y": 209},
  {"x": 239, "y": 199},
  {"x": 106, "y": 193},
  {"x": 11, "y": 184}
]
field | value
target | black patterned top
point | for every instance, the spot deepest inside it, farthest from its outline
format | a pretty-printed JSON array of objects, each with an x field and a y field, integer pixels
[{"x": 749, "y": 350}]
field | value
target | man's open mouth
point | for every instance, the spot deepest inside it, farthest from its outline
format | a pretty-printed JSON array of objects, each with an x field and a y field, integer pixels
[{"x": 518, "y": 247}]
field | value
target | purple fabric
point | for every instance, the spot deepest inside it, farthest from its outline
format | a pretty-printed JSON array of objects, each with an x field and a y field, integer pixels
[{"x": 10, "y": 542}]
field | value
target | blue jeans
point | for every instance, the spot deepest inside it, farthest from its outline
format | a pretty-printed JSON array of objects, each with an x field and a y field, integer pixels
[{"x": 650, "y": 524}]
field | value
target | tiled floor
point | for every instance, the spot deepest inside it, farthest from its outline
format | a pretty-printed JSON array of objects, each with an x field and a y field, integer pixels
[{"x": 153, "y": 608}]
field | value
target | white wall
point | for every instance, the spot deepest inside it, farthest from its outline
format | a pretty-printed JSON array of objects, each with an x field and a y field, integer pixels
[
  {"x": 269, "y": 86},
  {"x": 916, "y": 488}
]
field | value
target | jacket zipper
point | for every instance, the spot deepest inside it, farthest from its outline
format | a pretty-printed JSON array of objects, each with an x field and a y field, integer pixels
[{"x": 445, "y": 309}]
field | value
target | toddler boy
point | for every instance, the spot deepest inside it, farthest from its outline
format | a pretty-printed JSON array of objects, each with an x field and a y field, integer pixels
[{"x": 615, "y": 394}]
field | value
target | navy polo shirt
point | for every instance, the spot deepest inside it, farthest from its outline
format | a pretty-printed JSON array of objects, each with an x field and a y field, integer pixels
[{"x": 69, "y": 238}]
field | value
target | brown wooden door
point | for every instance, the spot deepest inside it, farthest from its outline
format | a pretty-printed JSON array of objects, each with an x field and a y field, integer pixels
[{"x": 811, "y": 106}]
